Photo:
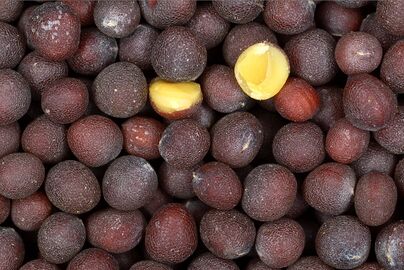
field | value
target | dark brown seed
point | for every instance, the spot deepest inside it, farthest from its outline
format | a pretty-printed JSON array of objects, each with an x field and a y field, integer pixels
[
  {"x": 12, "y": 250},
  {"x": 208, "y": 26},
  {"x": 21, "y": 174},
  {"x": 95, "y": 140},
  {"x": 115, "y": 231},
  {"x": 352, "y": 3},
  {"x": 343, "y": 242},
  {"x": 46, "y": 140},
  {"x": 388, "y": 245},
  {"x": 309, "y": 263},
  {"x": 392, "y": 68},
  {"x": 120, "y": 90},
  {"x": 96, "y": 51},
  {"x": 176, "y": 182},
  {"x": 39, "y": 264},
  {"x": 375, "y": 198},
  {"x": 9, "y": 139},
  {"x": 93, "y": 259},
  {"x": 311, "y": 56},
  {"x": 83, "y": 9},
  {"x": 269, "y": 192},
  {"x": 243, "y": 36},
  {"x": 236, "y": 139},
  {"x": 299, "y": 146},
  {"x": 205, "y": 116},
  {"x": 137, "y": 47},
  {"x": 390, "y": 14},
  {"x": 331, "y": 107},
  {"x": 239, "y": 11},
  {"x": 399, "y": 177},
  {"x": 280, "y": 243},
  {"x": 217, "y": 185},
  {"x": 197, "y": 209},
  {"x": 10, "y": 10},
  {"x": 29, "y": 213},
  {"x": 159, "y": 199},
  {"x": 15, "y": 96},
  {"x": 391, "y": 136},
  {"x": 209, "y": 261},
  {"x": 40, "y": 73},
  {"x": 12, "y": 44},
  {"x": 177, "y": 55},
  {"x": 369, "y": 266},
  {"x": 171, "y": 235},
  {"x": 24, "y": 25},
  {"x": 227, "y": 234},
  {"x": 184, "y": 143},
  {"x": 117, "y": 19},
  {"x": 61, "y": 237},
  {"x": 257, "y": 264},
  {"x": 346, "y": 143},
  {"x": 54, "y": 31},
  {"x": 129, "y": 183},
  {"x": 5, "y": 206},
  {"x": 330, "y": 188},
  {"x": 149, "y": 265},
  {"x": 289, "y": 17},
  {"x": 369, "y": 104}
]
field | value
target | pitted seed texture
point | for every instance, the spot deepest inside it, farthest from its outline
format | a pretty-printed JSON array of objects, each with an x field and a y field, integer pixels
[
  {"x": 10, "y": 10},
  {"x": 309, "y": 263},
  {"x": 93, "y": 259},
  {"x": 12, "y": 44},
  {"x": 148, "y": 264},
  {"x": 39, "y": 264},
  {"x": 209, "y": 261},
  {"x": 177, "y": 182},
  {"x": 83, "y": 9},
  {"x": 388, "y": 245},
  {"x": 391, "y": 136},
  {"x": 239, "y": 11},
  {"x": 392, "y": 68},
  {"x": 12, "y": 250},
  {"x": 9, "y": 139}
]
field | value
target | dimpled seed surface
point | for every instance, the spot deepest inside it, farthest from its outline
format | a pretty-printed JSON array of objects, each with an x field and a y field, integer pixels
[
  {"x": 269, "y": 192},
  {"x": 369, "y": 266},
  {"x": 171, "y": 235},
  {"x": 239, "y": 11},
  {"x": 149, "y": 265},
  {"x": 391, "y": 137},
  {"x": 83, "y": 9},
  {"x": 93, "y": 259},
  {"x": 392, "y": 68},
  {"x": 388, "y": 246},
  {"x": 390, "y": 15},
  {"x": 177, "y": 182},
  {"x": 9, "y": 139},
  {"x": 10, "y": 10},
  {"x": 12, "y": 250},
  {"x": 309, "y": 263},
  {"x": 257, "y": 264},
  {"x": 12, "y": 44},
  {"x": 343, "y": 242},
  {"x": 209, "y": 261},
  {"x": 115, "y": 231},
  {"x": 39, "y": 264},
  {"x": 227, "y": 234}
]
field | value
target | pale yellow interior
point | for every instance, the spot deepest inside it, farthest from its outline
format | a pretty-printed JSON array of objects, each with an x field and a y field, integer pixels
[{"x": 262, "y": 70}]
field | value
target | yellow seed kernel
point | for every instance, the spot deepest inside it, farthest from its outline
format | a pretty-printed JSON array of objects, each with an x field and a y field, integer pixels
[
  {"x": 172, "y": 99},
  {"x": 262, "y": 70}
]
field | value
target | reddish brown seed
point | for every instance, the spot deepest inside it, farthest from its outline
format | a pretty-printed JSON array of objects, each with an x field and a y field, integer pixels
[
  {"x": 184, "y": 143},
  {"x": 209, "y": 261},
  {"x": 29, "y": 213},
  {"x": 369, "y": 104},
  {"x": 83, "y": 9},
  {"x": 46, "y": 140},
  {"x": 176, "y": 182},
  {"x": 149, "y": 265},
  {"x": 171, "y": 235},
  {"x": 346, "y": 143},
  {"x": 117, "y": 19},
  {"x": 299, "y": 146},
  {"x": 12, "y": 250},
  {"x": 330, "y": 188},
  {"x": 137, "y": 47},
  {"x": 221, "y": 90},
  {"x": 208, "y": 26},
  {"x": 390, "y": 14},
  {"x": 93, "y": 259},
  {"x": 331, "y": 107},
  {"x": 311, "y": 56},
  {"x": 375, "y": 198},
  {"x": 65, "y": 100},
  {"x": 269, "y": 192},
  {"x": 15, "y": 96},
  {"x": 240, "y": 11},
  {"x": 5, "y": 205},
  {"x": 95, "y": 140},
  {"x": 55, "y": 31},
  {"x": 12, "y": 44},
  {"x": 399, "y": 177},
  {"x": 115, "y": 231},
  {"x": 392, "y": 68},
  {"x": 236, "y": 139},
  {"x": 72, "y": 187},
  {"x": 9, "y": 139},
  {"x": 297, "y": 101},
  {"x": 217, "y": 185},
  {"x": 369, "y": 266},
  {"x": 159, "y": 199},
  {"x": 129, "y": 183},
  {"x": 24, "y": 24},
  {"x": 227, "y": 234},
  {"x": 376, "y": 158},
  {"x": 391, "y": 136},
  {"x": 141, "y": 136},
  {"x": 166, "y": 13},
  {"x": 309, "y": 263},
  {"x": 257, "y": 264},
  {"x": 388, "y": 245},
  {"x": 39, "y": 264},
  {"x": 61, "y": 237},
  {"x": 120, "y": 90},
  {"x": 10, "y": 10},
  {"x": 280, "y": 243},
  {"x": 243, "y": 36},
  {"x": 289, "y": 17},
  {"x": 96, "y": 51},
  {"x": 358, "y": 52},
  {"x": 21, "y": 174},
  {"x": 336, "y": 19},
  {"x": 40, "y": 73},
  {"x": 343, "y": 242}
]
